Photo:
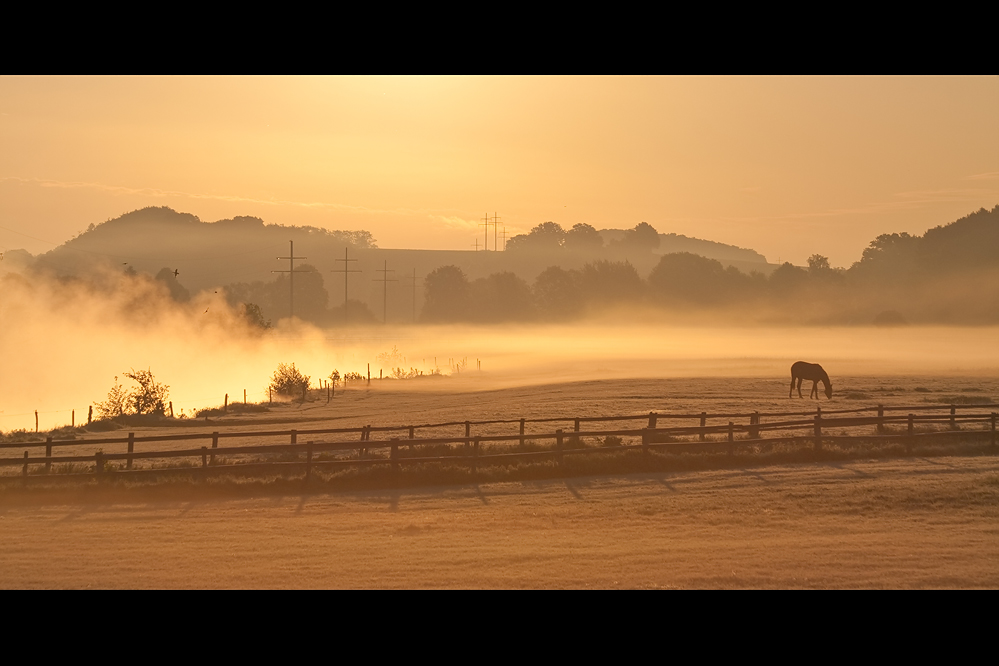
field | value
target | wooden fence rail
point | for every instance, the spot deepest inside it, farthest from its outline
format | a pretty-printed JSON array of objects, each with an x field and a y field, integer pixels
[{"x": 652, "y": 436}]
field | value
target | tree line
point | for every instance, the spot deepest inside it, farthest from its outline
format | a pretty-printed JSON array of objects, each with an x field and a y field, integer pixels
[{"x": 948, "y": 275}]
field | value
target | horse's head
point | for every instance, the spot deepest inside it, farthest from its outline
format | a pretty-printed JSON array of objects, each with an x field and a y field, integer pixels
[{"x": 829, "y": 391}]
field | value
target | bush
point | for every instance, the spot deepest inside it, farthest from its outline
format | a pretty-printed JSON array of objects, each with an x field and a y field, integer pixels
[
  {"x": 288, "y": 381},
  {"x": 148, "y": 398}
]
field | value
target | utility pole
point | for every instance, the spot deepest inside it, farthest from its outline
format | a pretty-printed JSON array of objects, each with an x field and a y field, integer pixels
[
  {"x": 414, "y": 279},
  {"x": 486, "y": 225},
  {"x": 291, "y": 277},
  {"x": 385, "y": 280},
  {"x": 504, "y": 237},
  {"x": 346, "y": 264},
  {"x": 495, "y": 246},
  {"x": 476, "y": 244}
]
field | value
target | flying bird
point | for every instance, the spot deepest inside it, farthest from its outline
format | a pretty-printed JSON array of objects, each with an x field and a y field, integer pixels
[{"x": 176, "y": 272}]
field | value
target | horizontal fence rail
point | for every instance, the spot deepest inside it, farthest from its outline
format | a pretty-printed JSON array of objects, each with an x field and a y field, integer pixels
[{"x": 346, "y": 447}]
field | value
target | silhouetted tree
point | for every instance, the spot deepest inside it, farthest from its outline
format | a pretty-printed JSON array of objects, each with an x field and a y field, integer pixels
[
  {"x": 643, "y": 236},
  {"x": 500, "y": 297},
  {"x": 445, "y": 292},
  {"x": 605, "y": 282},
  {"x": 583, "y": 237},
  {"x": 547, "y": 236},
  {"x": 787, "y": 279},
  {"x": 558, "y": 293},
  {"x": 254, "y": 317},
  {"x": 177, "y": 291},
  {"x": 889, "y": 257},
  {"x": 354, "y": 312},
  {"x": 693, "y": 279},
  {"x": 817, "y": 263}
]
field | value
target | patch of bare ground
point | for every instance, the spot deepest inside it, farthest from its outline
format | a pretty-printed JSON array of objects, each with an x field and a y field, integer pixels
[{"x": 896, "y": 523}]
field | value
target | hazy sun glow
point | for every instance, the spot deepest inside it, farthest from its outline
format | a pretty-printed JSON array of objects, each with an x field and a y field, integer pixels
[{"x": 788, "y": 166}]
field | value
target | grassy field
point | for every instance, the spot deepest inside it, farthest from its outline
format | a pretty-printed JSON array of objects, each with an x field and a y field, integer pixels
[
  {"x": 892, "y": 522},
  {"x": 915, "y": 523}
]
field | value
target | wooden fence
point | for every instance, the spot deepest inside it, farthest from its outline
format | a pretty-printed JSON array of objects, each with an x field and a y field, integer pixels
[{"x": 351, "y": 447}]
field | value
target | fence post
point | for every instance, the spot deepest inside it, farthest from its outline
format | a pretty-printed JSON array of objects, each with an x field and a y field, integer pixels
[
  {"x": 204, "y": 457},
  {"x": 412, "y": 435},
  {"x": 558, "y": 447},
  {"x": 575, "y": 437},
  {"x": 646, "y": 437},
  {"x": 731, "y": 438},
  {"x": 704, "y": 420},
  {"x": 908, "y": 440},
  {"x": 394, "y": 456},
  {"x": 24, "y": 472},
  {"x": 653, "y": 418},
  {"x": 294, "y": 437},
  {"x": 225, "y": 405},
  {"x": 131, "y": 450},
  {"x": 881, "y": 418},
  {"x": 754, "y": 420},
  {"x": 308, "y": 461},
  {"x": 522, "y": 433},
  {"x": 215, "y": 445},
  {"x": 475, "y": 456},
  {"x": 48, "y": 454},
  {"x": 818, "y": 431},
  {"x": 953, "y": 411},
  {"x": 992, "y": 442}
]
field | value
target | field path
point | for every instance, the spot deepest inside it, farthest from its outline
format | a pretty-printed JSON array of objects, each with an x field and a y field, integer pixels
[{"x": 914, "y": 523}]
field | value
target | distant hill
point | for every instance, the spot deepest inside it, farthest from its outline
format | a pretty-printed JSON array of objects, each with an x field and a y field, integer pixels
[
  {"x": 205, "y": 254},
  {"x": 669, "y": 243}
]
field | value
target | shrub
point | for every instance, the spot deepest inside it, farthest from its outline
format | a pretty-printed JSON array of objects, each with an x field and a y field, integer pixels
[
  {"x": 288, "y": 381},
  {"x": 148, "y": 398}
]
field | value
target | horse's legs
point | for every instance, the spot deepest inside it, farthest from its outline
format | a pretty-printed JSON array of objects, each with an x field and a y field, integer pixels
[
  {"x": 799, "y": 387},
  {"x": 815, "y": 390},
  {"x": 791, "y": 391}
]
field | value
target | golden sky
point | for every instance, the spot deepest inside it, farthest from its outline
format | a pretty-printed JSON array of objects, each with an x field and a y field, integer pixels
[{"x": 788, "y": 166}]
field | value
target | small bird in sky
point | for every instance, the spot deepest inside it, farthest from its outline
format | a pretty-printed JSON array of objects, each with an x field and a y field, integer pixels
[{"x": 176, "y": 272}]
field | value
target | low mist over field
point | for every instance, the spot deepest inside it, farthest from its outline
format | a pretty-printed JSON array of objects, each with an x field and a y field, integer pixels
[{"x": 65, "y": 343}]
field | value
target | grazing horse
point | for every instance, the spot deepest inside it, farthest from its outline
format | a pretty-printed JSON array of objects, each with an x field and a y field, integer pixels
[{"x": 814, "y": 372}]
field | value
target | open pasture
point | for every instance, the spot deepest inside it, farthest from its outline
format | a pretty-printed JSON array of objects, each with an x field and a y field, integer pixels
[
  {"x": 914, "y": 523},
  {"x": 891, "y": 523}
]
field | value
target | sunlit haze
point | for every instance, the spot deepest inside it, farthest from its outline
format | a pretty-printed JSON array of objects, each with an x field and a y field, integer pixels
[{"x": 787, "y": 166}]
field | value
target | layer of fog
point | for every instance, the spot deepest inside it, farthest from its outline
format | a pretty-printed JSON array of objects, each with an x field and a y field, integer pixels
[{"x": 63, "y": 343}]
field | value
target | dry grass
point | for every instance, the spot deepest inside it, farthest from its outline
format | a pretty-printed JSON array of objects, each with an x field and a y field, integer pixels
[
  {"x": 769, "y": 516},
  {"x": 919, "y": 523}
]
